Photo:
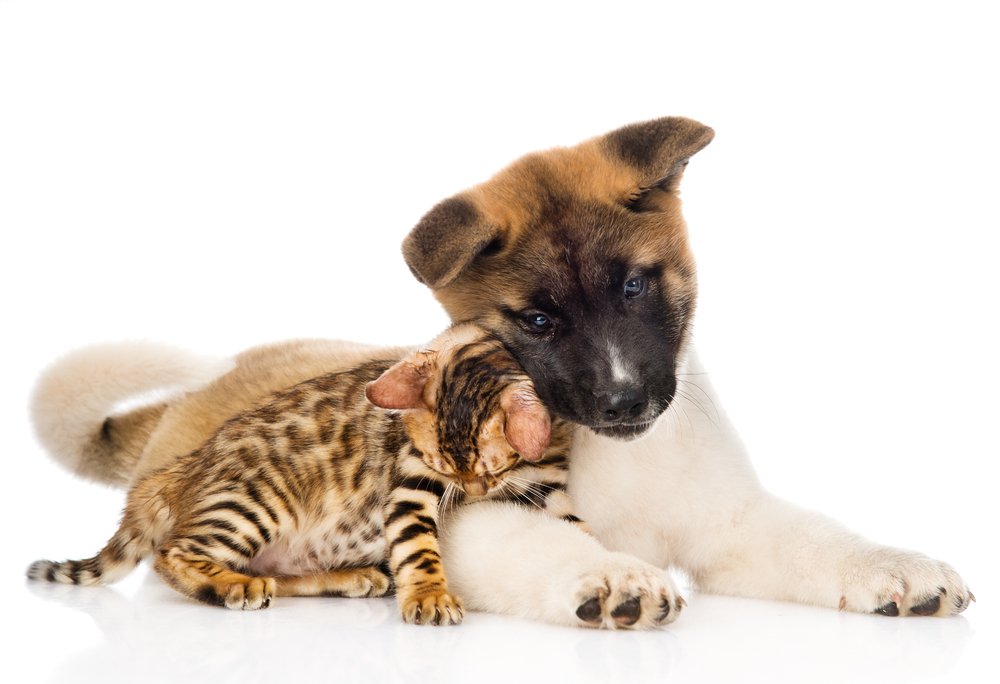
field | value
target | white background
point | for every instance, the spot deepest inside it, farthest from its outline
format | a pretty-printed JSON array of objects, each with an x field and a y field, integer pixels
[{"x": 221, "y": 174}]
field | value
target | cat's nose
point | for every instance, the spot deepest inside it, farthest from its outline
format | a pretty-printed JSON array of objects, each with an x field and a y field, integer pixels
[{"x": 475, "y": 487}]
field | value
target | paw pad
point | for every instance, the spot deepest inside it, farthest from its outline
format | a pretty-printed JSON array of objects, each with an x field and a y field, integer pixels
[
  {"x": 627, "y": 613},
  {"x": 928, "y": 607},
  {"x": 590, "y": 611},
  {"x": 890, "y": 609}
]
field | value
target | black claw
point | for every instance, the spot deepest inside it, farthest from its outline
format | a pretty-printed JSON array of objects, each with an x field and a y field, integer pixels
[
  {"x": 890, "y": 609},
  {"x": 928, "y": 607},
  {"x": 628, "y": 612},
  {"x": 664, "y": 610},
  {"x": 590, "y": 611}
]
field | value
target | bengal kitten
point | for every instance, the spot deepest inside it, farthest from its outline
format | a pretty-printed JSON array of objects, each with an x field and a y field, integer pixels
[{"x": 320, "y": 490}]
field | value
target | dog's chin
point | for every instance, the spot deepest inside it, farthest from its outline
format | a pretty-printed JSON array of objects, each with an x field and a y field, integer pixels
[{"x": 625, "y": 433}]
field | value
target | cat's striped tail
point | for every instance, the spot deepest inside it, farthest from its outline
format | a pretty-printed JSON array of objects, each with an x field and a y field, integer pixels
[
  {"x": 75, "y": 398},
  {"x": 145, "y": 524}
]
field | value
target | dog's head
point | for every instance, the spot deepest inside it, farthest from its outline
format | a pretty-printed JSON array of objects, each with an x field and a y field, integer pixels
[{"x": 577, "y": 258}]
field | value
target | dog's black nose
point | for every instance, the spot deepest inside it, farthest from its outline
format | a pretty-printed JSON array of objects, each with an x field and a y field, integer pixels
[{"x": 623, "y": 404}]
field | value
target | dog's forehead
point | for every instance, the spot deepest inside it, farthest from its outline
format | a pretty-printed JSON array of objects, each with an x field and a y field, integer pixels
[
  {"x": 546, "y": 183},
  {"x": 590, "y": 248}
]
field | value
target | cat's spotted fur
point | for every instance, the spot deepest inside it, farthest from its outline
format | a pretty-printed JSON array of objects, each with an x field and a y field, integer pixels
[{"x": 321, "y": 489}]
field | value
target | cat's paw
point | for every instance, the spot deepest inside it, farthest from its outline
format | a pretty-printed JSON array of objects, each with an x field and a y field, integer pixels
[
  {"x": 892, "y": 582},
  {"x": 432, "y": 607},
  {"x": 370, "y": 582},
  {"x": 254, "y": 594},
  {"x": 626, "y": 593},
  {"x": 378, "y": 583}
]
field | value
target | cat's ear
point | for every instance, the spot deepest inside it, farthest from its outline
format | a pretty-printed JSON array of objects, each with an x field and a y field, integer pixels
[
  {"x": 402, "y": 385},
  {"x": 527, "y": 426}
]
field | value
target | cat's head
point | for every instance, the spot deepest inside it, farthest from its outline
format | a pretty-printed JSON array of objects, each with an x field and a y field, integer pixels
[{"x": 468, "y": 406}]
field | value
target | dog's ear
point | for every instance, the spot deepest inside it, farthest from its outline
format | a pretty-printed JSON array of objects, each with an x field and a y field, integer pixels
[
  {"x": 657, "y": 151},
  {"x": 446, "y": 240}
]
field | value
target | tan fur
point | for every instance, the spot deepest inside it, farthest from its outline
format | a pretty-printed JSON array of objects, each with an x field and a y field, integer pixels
[
  {"x": 127, "y": 436},
  {"x": 515, "y": 209},
  {"x": 259, "y": 372},
  {"x": 75, "y": 398}
]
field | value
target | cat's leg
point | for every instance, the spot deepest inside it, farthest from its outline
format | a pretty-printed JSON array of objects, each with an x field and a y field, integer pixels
[
  {"x": 205, "y": 579},
  {"x": 366, "y": 582},
  {"x": 509, "y": 559},
  {"x": 411, "y": 528}
]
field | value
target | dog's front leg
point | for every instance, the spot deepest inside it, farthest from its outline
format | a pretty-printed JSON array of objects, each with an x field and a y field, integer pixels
[
  {"x": 503, "y": 558},
  {"x": 773, "y": 549},
  {"x": 732, "y": 536}
]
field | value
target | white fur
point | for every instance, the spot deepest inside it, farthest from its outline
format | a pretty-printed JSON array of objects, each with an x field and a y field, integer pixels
[
  {"x": 685, "y": 496},
  {"x": 76, "y": 393},
  {"x": 619, "y": 370},
  {"x": 507, "y": 559}
]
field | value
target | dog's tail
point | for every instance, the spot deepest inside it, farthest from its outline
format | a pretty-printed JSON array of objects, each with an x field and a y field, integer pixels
[{"x": 75, "y": 402}]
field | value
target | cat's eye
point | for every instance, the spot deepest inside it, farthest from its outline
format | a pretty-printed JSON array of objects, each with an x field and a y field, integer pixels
[
  {"x": 537, "y": 322},
  {"x": 634, "y": 287}
]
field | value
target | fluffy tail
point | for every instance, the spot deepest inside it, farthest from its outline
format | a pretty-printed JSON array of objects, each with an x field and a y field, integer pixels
[{"x": 76, "y": 396}]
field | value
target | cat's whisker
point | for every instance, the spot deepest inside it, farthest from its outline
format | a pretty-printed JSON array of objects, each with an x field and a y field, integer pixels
[
  {"x": 508, "y": 488},
  {"x": 530, "y": 491},
  {"x": 443, "y": 501},
  {"x": 511, "y": 486},
  {"x": 450, "y": 497}
]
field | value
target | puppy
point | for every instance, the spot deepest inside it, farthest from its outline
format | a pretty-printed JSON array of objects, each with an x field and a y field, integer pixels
[{"x": 578, "y": 259}]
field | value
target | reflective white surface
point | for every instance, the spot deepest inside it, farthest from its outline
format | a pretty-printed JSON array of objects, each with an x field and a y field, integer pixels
[{"x": 143, "y": 631}]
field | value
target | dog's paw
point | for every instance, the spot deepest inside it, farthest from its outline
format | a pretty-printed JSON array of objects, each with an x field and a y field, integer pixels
[
  {"x": 893, "y": 582},
  {"x": 625, "y": 593}
]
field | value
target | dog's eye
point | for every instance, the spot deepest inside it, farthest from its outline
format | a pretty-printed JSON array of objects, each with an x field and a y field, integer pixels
[
  {"x": 634, "y": 287},
  {"x": 538, "y": 322}
]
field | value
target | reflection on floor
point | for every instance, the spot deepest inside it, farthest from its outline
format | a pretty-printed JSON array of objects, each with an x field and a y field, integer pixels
[{"x": 147, "y": 632}]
